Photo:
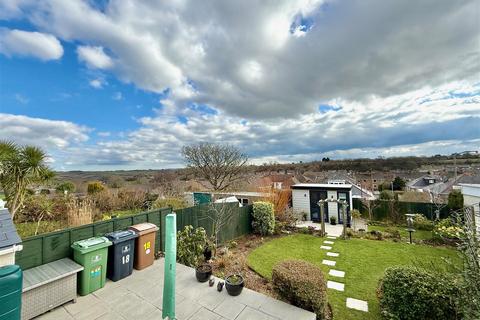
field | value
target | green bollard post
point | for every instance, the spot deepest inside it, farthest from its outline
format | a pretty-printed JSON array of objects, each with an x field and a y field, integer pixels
[{"x": 168, "y": 304}]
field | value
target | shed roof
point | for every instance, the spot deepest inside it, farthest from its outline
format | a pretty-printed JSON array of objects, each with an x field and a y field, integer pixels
[
  {"x": 321, "y": 186},
  {"x": 8, "y": 232}
]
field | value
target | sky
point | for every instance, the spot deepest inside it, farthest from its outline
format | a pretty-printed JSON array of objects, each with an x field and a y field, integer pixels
[{"x": 124, "y": 84}]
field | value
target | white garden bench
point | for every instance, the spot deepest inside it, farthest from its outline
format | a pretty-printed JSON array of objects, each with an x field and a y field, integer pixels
[{"x": 48, "y": 286}]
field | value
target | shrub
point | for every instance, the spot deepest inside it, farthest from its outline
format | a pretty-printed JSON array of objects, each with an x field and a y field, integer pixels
[
  {"x": 95, "y": 187},
  {"x": 333, "y": 220},
  {"x": 65, "y": 186},
  {"x": 374, "y": 235},
  {"x": 302, "y": 284},
  {"x": 263, "y": 218},
  {"x": 420, "y": 222},
  {"x": 411, "y": 293},
  {"x": 446, "y": 229},
  {"x": 190, "y": 245},
  {"x": 172, "y": 202},
  {"x": 391, "y": 232}
]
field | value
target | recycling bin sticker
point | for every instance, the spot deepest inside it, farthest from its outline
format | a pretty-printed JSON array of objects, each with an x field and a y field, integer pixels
[
  {"x": 97, "y": 258},
  {"x": 146, "y": 246},
  {"x": 96, "y": 272}
]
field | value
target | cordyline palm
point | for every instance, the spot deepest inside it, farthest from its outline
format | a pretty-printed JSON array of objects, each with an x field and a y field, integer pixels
[{"x": 19, "y": 168}]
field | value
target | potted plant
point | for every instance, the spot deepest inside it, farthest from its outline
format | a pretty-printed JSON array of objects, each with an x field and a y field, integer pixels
[
  {"x": 234, "y": 284},
  {"x": 203, "y": 272},
  {"x": 333, "y": 220},
  {"x": 209, "y": 250}
]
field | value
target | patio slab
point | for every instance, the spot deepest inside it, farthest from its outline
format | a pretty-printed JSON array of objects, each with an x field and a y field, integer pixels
[
  {"x": 337, "y": 273},
  {"x": 336, "y": 285},
  {"x": 140, "y": 297},
  {"x": 333, "y": 254},
  {"x": 328, "y": 242},
  {"x": 326, "y": 247},
  {"x": 329, "y": 262},
  {"x": 357, "y": 304}
]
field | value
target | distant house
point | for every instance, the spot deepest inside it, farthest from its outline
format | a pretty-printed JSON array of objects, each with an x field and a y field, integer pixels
[
  {"x": 305, "y": 197},
  {"x": 471, "y": 197},
  {"x": 244, "y": 197}
]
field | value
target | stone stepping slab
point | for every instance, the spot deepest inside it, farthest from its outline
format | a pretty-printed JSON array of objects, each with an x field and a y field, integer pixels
[
  {"x": 331, "y": 237},
  {"x": 333, "y": 254},
  {"x": 337, "y": 273},
  {"x": 326, "y": 247},
  {"x": 329, "y": 262},
  {"x": 328, "y": 242},
  {"x": 357, "y": 304},
  {"x": 336, "y": 285}
]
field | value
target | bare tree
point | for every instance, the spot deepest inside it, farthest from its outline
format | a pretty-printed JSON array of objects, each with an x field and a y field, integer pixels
[
  {"x": 221, "y": 165},
  {"x": 220, "y": 214}
]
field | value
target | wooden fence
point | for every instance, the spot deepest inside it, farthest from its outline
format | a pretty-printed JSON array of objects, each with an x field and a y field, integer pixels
[{"x": 48, "y": 247}]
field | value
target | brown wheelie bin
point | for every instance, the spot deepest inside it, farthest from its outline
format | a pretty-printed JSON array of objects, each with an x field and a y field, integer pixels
[{"x": 145, "y": 244}]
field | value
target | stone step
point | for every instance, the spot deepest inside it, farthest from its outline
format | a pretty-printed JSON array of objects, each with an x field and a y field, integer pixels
[
  {"x": 326, "y": 247},
  {"x": 336, "y": 285},
  {"x": 328, "y": 242},
  {"x": 357, "y": 304},
  {"x": 331, "y": 237},
  {"x": 337, "y": 273},
  {"x": 329, "y": 262},
  {"x": 332, "y": 254}
]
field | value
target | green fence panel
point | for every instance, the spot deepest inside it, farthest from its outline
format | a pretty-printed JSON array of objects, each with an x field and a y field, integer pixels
[
  {"x": 140, "y": 218},
  {"x": 101, "y": 228},
  {"x": 81, "y": 233},
  {"x": 53, "y": 246},
  {"x": 31, "y": 255},
  {"x": 56, "y": 246}
]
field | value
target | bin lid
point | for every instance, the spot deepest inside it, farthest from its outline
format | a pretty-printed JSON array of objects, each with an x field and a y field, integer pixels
[
  {"x": 123, "y": 235},
  {"x": 91, "y": 244},
  {"x": 8, "y": 270},
  {"x": 143, "y": 228}
]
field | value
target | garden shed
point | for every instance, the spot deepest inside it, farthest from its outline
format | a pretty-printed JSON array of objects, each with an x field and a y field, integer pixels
[
  {"x": 10, "y": 241},
  {"x": 305, "y": 197}
]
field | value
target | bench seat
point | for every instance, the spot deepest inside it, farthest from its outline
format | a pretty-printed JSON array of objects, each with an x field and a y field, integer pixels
[{"x": 48, "y": 286}]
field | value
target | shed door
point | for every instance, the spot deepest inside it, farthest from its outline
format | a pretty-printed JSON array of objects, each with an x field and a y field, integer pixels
[{"x": 316, "y": 195}]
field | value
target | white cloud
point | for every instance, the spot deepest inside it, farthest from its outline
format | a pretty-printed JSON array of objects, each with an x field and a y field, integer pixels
[
  {"x": 49, "y": 134},
  {"x": 117, "y": 96},
  {"x": 30, "y": 44},
  {"x": 21, "y": 98},
  {"x": 94, "y": 57},
  {"x": 96, "y": 83}
]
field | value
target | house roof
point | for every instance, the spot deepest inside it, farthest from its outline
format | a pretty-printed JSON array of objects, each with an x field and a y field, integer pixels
[
  {"x": 8, "y": 233},
  {"x": 321, "y": 185}
]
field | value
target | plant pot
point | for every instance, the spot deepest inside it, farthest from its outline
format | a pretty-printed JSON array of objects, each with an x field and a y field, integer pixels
[
  {"x": 203, "y": 272},
  {"x": 234, "y": 288},
  {"x": 207, "y": 254}
]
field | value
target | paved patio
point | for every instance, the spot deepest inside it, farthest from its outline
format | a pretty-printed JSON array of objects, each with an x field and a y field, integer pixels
[
  {"x": 332, "y": 230},
  {"x": 139, "y": 297}
]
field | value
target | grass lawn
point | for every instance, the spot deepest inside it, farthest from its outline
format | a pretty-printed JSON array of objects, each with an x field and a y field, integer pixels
[
  {"x": 417, "y": 235},
  {"x": 27, "y": 229},
  {"x": 364, "y": 262}
]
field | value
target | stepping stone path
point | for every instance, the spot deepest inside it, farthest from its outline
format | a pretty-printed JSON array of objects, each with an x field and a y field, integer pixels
[
  {"x": 337, "y": 273},
  {"x": 351, "y": 302},
  {"x": 335, "y": 285},
  {"x": 329, "y": 262},
  {"x": 357, "y": 304}
]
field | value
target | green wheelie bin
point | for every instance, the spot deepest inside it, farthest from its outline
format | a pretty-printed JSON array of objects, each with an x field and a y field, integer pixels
[
  {"x": 92, "y": 254},
  {"x": 11, "y": 280}
]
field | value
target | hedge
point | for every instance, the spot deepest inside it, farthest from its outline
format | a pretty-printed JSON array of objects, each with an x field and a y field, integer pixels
[
  {"x": 303, "y": 284},
  {"x": 263, "y": 218},
  {"x": 413, "y": 293}
]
